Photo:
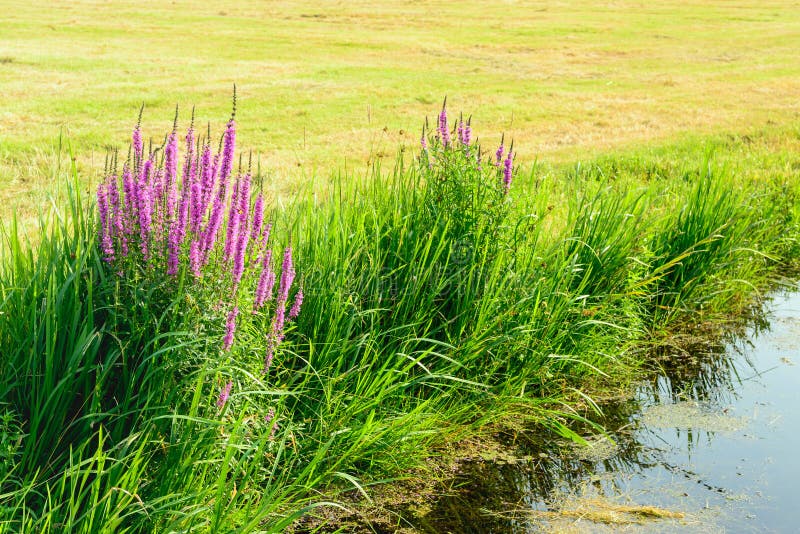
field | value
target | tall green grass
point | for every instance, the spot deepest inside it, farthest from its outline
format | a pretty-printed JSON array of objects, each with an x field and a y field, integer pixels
[{"x": 430, "y": 312}]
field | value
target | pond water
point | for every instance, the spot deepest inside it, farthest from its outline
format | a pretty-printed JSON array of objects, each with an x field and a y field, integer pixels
[{"x": 710, "y": 444}]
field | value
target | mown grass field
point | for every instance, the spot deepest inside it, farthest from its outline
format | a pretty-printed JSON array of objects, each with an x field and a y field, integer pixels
[{"x": 334, "y": 84}]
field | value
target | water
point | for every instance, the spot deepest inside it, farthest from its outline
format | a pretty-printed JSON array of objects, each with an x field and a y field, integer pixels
[{"x": 712, "y": 442}]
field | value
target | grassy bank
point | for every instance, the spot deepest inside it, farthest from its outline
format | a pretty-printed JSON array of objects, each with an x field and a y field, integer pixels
[
  {"x": 326, "y": 86},
  {"x": 438, "y": 296}
]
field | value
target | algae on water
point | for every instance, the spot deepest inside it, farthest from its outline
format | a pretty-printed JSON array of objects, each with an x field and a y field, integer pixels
[{"x": 691, "y": 414}]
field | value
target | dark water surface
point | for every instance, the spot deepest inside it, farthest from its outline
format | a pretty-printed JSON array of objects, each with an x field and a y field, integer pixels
[{"x": 714, "y": 437}]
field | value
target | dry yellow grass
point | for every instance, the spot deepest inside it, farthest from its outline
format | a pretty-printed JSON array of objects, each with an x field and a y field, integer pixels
[{"x": 335, "y": 84}]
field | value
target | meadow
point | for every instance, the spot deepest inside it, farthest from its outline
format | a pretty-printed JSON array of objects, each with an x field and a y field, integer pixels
[
  {"x": 246, "y": 322},
  {"x": 328, "y": 86}
]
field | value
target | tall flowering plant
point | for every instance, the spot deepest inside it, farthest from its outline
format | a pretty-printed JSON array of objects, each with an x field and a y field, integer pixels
[
  {"x": 198, "y": 229},
  {"x": 467, "y": 190}
]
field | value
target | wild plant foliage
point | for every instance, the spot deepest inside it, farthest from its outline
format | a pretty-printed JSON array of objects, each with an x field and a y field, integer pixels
[
  {"x": 198, "y": 231},
  {"x": 158, "y": 374}
]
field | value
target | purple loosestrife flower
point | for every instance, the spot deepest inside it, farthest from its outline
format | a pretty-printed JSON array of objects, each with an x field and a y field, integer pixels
[
  {"x": 128, "y": 191},
  {"x": 244, "y": 200},
  {"x": 195, "y": 257},
  {"x": 233, "y": 222},
  {"x": 499, "y": 154},
  {"x": 275, "y": 336},
  {"x": 212, "y": 228},
  {"x": 145, "y": 208},
  {"x": 423, "y": 141},
  {"x": 230, "y": 328},
  {"x": 227, "y": 151},
  {"x": 468, "y": 132},
  {"x": 189, "y": 160},
  {"x": 266, "y": 281},
  {"x": 181, "y": 220},
  {"x": 196, "y": 207},
  {"x": 106, "y": 241},
  {"x": 172, "y": 200},
  {"x": 298, "y": 302},
  {"x": 258, "y": 217},
  {"x": 461, "y": 131},
  {"x": 117, "y": 215},
  {"x": 138, "y": 147},
  {"x": 444, "y": 131},
  {"x": 217, "y": 214},
  {"x": 112, "y": 191},
  {"x": 265, "y": 235},
  {"x": 157, "y": 197},
  {"x": 174, "y": 241},
  {"x": 206, "y": 177},
  {"x": 102, "y": 207},
  {"x": 244, "y": 232},
  {"x": 213, "y": 179},
  {"x": 224, "y": 394},
  {"x": 188, "y": 174},
  {"x": 287, "y": 275},
  {"x": 507, "y": 172},
  {"x": 171, "y": 160}
]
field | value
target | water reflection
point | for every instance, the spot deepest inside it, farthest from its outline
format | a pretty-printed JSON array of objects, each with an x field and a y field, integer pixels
[{"x": 703, "y": 385}]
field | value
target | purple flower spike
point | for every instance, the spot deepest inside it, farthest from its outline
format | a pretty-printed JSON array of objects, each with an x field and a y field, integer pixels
[
  {"x": 507, "y": 172},
  {"x": 499, "y": 154},
  {"x": 233, "y": 222},
  {"x": 467, "y": 133},
  {"x": 171, "y": 161},
  {"x": 244, "y": 232},
  {"x": 106, "y": 241},
  {"x": 287, "y": 276},
  {"x": 444, "y": 131},
  {"x": 279, "y": 319},
  {"x": 174, "y": 240},
  {"x": 206, "y": 178},
  {"x": 138, "y": 147},
  {"x": 212, "y": 228},
  {"x": 196, "y": 207},
  {"x": 129, "y": 190},
  {"x": 224, "y": 394},
  {"x": 189, "y": 167},
  {"x": 195, "y": 257},
  {"x": 266, "y": 281},
  {"x": 209, "y": 175},
  {"x": 115, "y": 212},
  {"x": 102, "y": 207},
  {"x": 258, "y": 217},
  {"x": 461, "y": 131},
  {"x": 423, "y": 141},
  {"x": 230, "y": 328},
  {"x": 243, "y": 209},
  {"x": 145, "y": 208},
  {"x": 227, "y": 151},
  {"x": 298, "y": 301},
  {"x": 265, "y": 235}
]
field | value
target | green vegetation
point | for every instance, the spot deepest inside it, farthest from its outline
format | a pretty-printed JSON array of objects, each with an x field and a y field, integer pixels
[
  {"x": 443, "y": 297},
  {"x": 436, "y": 304}
]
